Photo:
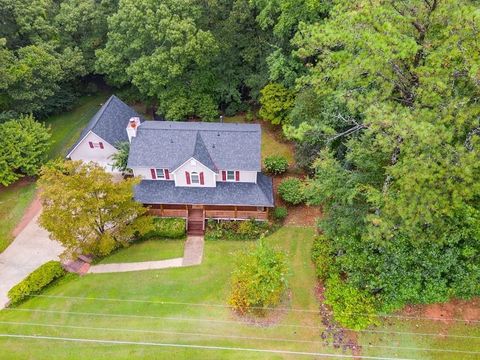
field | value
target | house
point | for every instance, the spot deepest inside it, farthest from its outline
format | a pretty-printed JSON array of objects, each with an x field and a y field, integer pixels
[
  {"x": 194, "y": 170},
  {"x": 99, "y": 140}
]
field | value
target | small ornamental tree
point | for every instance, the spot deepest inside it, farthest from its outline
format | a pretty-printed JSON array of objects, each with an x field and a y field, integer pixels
[
  {"x": 120, "y": 158},
  {"x": 86, "y": 211},
  {"x": 23, "y": 148},
  {"x": 259, "y": 280},
  {"x": 276, "y": 101}
]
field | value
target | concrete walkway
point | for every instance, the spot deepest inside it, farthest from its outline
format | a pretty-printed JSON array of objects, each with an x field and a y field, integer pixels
[
  {"x": 192, "y": 255},
  {"x": 135, "y": 266},
  {"x": 30, "y": 249}
]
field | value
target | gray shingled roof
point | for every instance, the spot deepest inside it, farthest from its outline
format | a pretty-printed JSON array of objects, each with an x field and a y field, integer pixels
[
  {"x": 168, "y": 144},
  {"x": 225, "y": 193},
  {"x": 110, "y": 122}
]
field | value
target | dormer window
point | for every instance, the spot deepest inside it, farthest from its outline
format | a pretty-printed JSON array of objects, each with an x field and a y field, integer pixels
[
  {"x": 230, "y": 175},
  {"x": 195, "y": 178},
  {"x": 160, "y": 173}
]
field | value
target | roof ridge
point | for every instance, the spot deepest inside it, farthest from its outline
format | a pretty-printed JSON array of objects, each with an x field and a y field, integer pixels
[
  {"x": 102, "y": 110},
  {"x": 200, "y": 143}
]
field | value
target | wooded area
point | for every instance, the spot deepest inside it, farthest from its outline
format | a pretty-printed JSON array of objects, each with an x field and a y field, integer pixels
[{"x": 380, "y": 97}]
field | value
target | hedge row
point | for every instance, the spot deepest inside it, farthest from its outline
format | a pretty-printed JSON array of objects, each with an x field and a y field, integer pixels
[
  {"x": 237, "y": 230},
  {"x": 171, "y": 228},
  {"x": 36, "y": 281}
]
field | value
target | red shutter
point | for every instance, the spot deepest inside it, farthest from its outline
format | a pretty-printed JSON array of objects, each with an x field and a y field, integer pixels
[
  {"x": 237, "y": 175},
  {"x": 167, "y": 174},
  {"x": 187, "y": 176},
  {"x": 101, "y": 145},
  {"x": 154, "y": 174},
  {"x": 91, "y": 144},
  {"x": 202, "y": 180},
  {"x": 224, "y": 175}
]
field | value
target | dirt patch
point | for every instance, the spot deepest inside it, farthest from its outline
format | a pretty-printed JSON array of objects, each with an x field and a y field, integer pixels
[
  {"x": 333, "y": 334},
  {"x": 32, "y": 210},
  {"x": 270, "y": 318},
  {"x": 449, "y": 312},
  {"x": 18, "y": 184},
  {"x": 300, "y": 215}
]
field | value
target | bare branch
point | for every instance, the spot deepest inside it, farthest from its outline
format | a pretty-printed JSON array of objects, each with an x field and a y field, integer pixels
[
  {"x": 348, "y": 132},
  {"x": 468, "y": 141}
]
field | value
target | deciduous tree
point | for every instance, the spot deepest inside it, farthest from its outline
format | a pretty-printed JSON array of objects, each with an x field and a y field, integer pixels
[
  {"x": 86, "y": 211},
  {"x": 24, "y": 144}
]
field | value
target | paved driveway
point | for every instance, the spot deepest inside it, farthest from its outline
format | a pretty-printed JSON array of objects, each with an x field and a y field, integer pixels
[{"x": 30, "y": 249}]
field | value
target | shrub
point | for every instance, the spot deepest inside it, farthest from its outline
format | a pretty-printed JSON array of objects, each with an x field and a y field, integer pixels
[
  {"x": 36, "y": 281},
  {"x": 171, "y": 228},
  {"x": 280, "y": 213},
  {"x": 259, "y": 279},
  {"x": 352, "y": 307},
  {"x": 275, "y": 164},
  {"x": 236, "y": 230},
  {"x": 291, "y": 191},
  {"x": 322, "y": 256}
]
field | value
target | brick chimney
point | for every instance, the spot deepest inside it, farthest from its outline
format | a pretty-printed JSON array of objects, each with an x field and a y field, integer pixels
[{"x": 132, "y": 127}]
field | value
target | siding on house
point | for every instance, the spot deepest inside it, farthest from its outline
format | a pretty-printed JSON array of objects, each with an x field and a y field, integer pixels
[
  {"x": 146, "y": 174},
  {"x": 190, "y": 166},
  {"x": 84, "y": 152},
  {"x": 245, "y": 176}
]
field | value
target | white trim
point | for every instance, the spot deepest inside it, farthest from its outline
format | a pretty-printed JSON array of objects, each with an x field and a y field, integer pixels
[
  {"x": 178, "y": 167},
  {"x": 234, "y": 175}
]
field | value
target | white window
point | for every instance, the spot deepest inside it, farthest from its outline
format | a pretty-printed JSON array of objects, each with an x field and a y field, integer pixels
[
  {"x": 230, "y": 175},
  {"x": 160, "y": 173},
  {"x": 195, "y": 178}
]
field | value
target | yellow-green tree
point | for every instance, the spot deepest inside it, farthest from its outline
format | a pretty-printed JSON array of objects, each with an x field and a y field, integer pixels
[{"x": 86, "y": 211}]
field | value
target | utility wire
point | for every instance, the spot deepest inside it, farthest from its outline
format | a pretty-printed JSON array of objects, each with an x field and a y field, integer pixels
[
  {"x": 192, "y": 346},
  {"x": 230, "y": 322},
  {"x": 161, "y": 302},
  {"x": 226, "y": 336}
]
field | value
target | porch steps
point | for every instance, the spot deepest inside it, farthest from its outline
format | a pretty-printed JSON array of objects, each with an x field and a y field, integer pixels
[
  {"x": 195, "y": 222},
  {"x": 195, "y": 227}
]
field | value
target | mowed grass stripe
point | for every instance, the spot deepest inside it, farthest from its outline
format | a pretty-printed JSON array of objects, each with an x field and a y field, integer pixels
[{"x": 222, "y": 336}]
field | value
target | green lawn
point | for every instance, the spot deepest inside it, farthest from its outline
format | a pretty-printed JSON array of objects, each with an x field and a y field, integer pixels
[
  {"x": 175, "y": 306},
  {"x": 13, "y": 202},
  {"x": 65, "y": 130},
  {"x": 148, "y": 250},
  {"x": 271, "y": 142},
  {"x": 67, "y": 127},
  {"x": 181, "y": 322}
]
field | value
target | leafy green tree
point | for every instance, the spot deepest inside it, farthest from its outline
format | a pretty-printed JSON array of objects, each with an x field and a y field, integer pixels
[
  {"x": 36, "y": 74},
  {"x": 86, "y": 211},
  {"x": 120, "y": 158},
  {"x": 259, "y": 280},
  {"x": 276, "y": 101},
  {"x": 83, "y": 24},
  {"x": 23, "y": 148},
  {"x": 401, "y": 200},
  {"x": 159, "y": 47}
]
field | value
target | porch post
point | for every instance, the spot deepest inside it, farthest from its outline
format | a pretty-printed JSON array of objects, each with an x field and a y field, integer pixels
[{"x": 235, "y": 212}]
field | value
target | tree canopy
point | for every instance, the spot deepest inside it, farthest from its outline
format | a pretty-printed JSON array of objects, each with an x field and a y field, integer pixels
[
  {"x": 86, "y": 211},
  {"x": 24, "y": 144},
  {"x": 401, "y": 200}
]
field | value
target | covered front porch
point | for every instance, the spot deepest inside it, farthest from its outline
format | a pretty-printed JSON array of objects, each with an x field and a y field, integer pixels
[{"x": 217, "y": 212}]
